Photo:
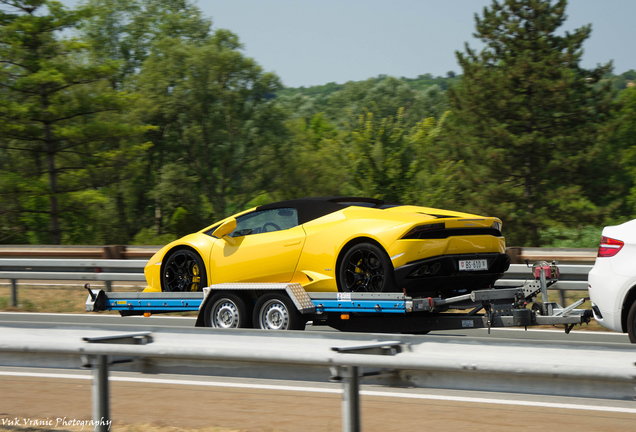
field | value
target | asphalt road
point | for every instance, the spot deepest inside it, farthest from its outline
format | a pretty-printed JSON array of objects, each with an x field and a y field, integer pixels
[{"x": 96, "y": 319}]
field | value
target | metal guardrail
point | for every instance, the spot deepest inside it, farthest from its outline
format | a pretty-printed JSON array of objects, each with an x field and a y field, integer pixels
[
  {"x": 518, "y": 254},
  {"x": 106, "y": 270},
  {"x": 79, "y": 252},
  {"x": 573, "y": 277},
  {"x": 563, "y": 255},
  {"x": 591, "y": 370}
]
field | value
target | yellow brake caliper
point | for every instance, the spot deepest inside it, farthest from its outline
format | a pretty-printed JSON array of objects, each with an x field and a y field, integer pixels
[
  {"x": 358, "y": 270},
  {"x": 196, "y": 279}
]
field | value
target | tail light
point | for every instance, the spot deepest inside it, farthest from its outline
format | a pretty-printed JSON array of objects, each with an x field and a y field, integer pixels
[
  {"x": 415, "y": 232},
  {"x": 609, "y": 247}
]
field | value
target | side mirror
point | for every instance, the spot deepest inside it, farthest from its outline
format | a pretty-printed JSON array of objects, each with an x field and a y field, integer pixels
[{"x": 225, "y": 228}]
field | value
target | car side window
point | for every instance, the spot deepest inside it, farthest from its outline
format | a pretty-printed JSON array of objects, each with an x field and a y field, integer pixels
[{"x": 265, "y": 221}]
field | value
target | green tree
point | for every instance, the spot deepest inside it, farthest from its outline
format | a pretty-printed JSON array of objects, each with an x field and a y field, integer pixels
[
  {"x": 526, "y": 119},
  {"x": 434, "y": 182},
  {"x": 128, "y": 31},
  {"x": 217, "y": 106},
  {"x": 389, "y": 160},
  {"x": 125, "y": 30},
  {"x": 618, "y": 163},
  {"x": 431, "y": 102},
  {"x": 318, "y": 163},
  {"x": 382, "y": 97},
  {"x": 54, "y": 117}
]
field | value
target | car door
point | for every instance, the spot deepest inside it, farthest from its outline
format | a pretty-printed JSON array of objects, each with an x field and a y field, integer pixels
[{"x": 264, "y": 247}]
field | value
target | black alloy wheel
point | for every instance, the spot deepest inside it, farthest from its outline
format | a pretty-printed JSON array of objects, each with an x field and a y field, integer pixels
[
  {"x": 183, "y": 272},
  {"x": 366, "y": 268}
]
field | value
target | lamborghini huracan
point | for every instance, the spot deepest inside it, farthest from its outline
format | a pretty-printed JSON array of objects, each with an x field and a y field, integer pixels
[{"x": 345, "y": 244}]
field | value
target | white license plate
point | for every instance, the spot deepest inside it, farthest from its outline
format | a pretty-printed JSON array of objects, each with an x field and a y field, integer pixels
[{"x": 473, "y": 265}]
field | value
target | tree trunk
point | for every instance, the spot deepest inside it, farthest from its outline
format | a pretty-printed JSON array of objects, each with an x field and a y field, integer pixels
[
  {"x": 158, "y": 217},
  {"x": 121, "y": 214},
  {"x": 533, "y": 226},
  {"x": 50, "y": 155}
]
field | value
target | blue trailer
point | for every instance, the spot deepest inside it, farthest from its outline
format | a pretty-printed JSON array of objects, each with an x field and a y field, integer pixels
[{"x": 287, "y": 306}]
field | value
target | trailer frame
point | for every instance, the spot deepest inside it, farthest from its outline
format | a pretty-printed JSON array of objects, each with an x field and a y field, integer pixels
[{"x": 289, "y": 306}]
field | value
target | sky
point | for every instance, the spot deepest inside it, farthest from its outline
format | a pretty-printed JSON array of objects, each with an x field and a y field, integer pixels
[{"x": 314, "y": 42}]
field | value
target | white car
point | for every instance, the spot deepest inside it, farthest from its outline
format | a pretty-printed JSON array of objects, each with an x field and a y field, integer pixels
[{"x": 613, "y": 280}]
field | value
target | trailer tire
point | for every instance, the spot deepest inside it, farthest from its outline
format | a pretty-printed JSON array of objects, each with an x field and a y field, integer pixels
[
  {"x": 276, "y": 311},
  {"x": 227, "y": 310},
  {"x": 631, "y": 323}
]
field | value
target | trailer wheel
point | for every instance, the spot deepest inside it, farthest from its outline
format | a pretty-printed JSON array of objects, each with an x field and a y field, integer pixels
[
  {"x": 226, "y": 310},
  {"x": 277, "y": 312},
  {"x": 631, "y": 323}
]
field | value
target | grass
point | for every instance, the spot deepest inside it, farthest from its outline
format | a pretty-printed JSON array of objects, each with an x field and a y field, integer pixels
[
  {"x": 571, "y": 297},
  {"x": 53, "y": 299},
  {"x": 58, "y": 298}
]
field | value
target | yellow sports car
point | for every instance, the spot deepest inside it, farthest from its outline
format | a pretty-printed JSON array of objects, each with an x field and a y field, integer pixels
[{"x": 338, "y": 244}]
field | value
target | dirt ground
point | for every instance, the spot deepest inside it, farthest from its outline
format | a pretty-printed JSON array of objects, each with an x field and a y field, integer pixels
[
  {"x": 120, "y": 427},
  {"x": 151, "y": 407}
]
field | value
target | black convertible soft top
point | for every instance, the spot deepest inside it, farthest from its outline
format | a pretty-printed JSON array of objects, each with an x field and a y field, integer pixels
[{"x": 312, "y": 208}]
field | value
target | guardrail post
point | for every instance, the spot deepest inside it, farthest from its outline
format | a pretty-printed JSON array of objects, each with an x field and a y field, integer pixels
[
  {"x": 350, "y": 377},
  {"x": 14, "y": 292},
  {"x": 562, "y": 298},
  {"x": 99, "y": 363},
  {"x": 109, "y": 286},
  {"x": 101, "y": 409},
  {"x": 350, "y": 398}
]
